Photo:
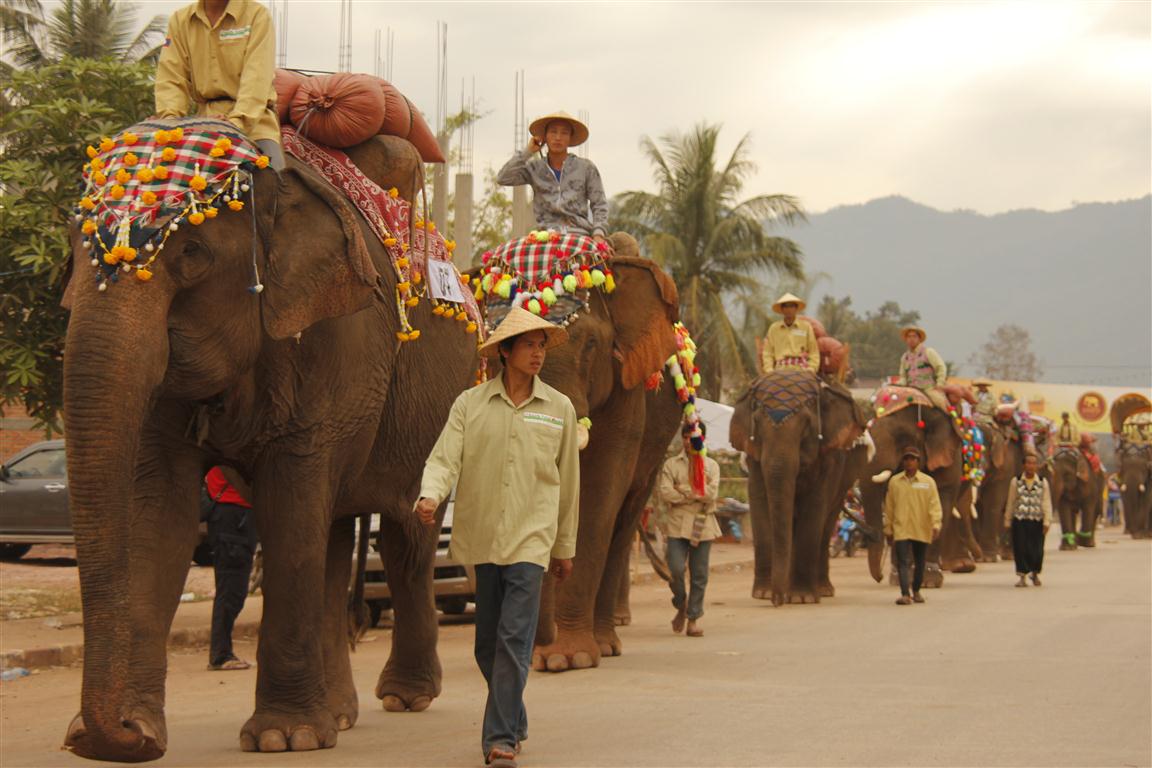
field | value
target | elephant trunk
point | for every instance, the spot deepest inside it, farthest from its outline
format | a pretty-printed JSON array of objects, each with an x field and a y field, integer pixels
[
  {"x": 115, "y": 356},
  {"x": 872, "y": 498}
]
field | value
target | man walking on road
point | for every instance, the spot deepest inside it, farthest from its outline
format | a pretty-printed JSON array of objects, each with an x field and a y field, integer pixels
[
  {"x": 689, "y": 526},
  {"x": 912, "y": 520},
  {"x": 510, "y": 448},
  {"x": 1029, "y": 514}
]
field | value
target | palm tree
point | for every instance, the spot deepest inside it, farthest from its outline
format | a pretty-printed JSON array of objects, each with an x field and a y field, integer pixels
[
  {"x": 711, "y": 242},
  {"x": 86, "y": 29}
]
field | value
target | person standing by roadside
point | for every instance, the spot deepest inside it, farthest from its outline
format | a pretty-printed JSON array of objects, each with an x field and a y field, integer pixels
[
  {"x": 510, "y": 448},
  {"x": 689, "y": 525},
  {"x": 912, "y": 520},
  {"x": 1029, "y": 514},
  {"x": 232, "y": 534},
  {"x": 791, "y": 342}
]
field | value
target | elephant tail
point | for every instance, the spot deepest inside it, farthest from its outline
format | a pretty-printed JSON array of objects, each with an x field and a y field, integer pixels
[{"x": 357, "y": 608}]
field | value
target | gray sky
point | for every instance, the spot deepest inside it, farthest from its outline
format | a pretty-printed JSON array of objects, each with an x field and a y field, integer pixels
[{"x": 986, "y": 106}]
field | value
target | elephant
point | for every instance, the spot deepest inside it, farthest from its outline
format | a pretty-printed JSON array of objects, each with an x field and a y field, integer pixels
[
  {"x": 939, "y": 443},
  {"x": 1005, "y": 461},
  {"x": 796, "y": 430},
  {"x": 306, "y": 391},
  {"x": 1136, "y": 487},
  {"x": 1077, "y": 495}
]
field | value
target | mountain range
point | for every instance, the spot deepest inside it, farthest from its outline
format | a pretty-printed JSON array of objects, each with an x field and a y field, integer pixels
[{"x": 1079, "y": 280}]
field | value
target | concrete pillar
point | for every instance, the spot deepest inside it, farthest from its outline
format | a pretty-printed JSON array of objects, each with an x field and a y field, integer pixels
[
  {"x": 462, "y": 226},
  {"x": 522, "y": 218}
]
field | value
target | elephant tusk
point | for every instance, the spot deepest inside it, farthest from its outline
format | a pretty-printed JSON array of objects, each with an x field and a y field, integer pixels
[
  {"x": 882, "y": 477},
  {"x": 955, "y": 513},
  {"x": 1142, "y": 487},
  {"x": 1124, "y": 488},
  {"x": 582, "y": 436},
  {"x": 868, "y": 441}
]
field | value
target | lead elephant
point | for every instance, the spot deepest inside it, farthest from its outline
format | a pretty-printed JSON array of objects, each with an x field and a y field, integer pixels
[
  {"x": 932, "y": 432},
  {"x": 796, "y": 430},
  {"x": 1135, "y": 478},
  {"x": 306, "y": 391},
  {"x": 1077, "y": 495}
]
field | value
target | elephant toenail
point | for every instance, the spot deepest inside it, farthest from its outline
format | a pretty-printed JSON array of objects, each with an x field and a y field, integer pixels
[
  {"x": 420, "y": 703},
  {"x": 304, "y": 739},
  {"x": 393, "y": 704},
  {"x": 273, "y": 741},
  {"x": 557, "y": 662}
]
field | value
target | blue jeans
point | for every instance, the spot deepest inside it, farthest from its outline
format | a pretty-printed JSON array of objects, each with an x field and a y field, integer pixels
[
  {"x": 681, "y": 553},
  {"x": 507, "y": 609}
]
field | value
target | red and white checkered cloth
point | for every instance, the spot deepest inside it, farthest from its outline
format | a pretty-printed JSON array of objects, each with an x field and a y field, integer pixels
[
  {"x": 180, "y": 147},
  {"x": 538, "y": 262}
]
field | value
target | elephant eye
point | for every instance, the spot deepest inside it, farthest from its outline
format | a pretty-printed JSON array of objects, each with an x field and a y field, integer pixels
[{"x": 191, "y": 262}]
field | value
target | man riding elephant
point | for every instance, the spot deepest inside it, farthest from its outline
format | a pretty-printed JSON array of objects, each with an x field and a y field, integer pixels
[
  {"x": 922, "y": 367},
  {"x": 791, "y": 342}
]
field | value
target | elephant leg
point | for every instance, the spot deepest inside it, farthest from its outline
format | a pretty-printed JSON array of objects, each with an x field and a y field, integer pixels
[
  {"x": 808, "y": 526},
  {"x": 831, "y": 517},
  {"x": 342, "y": 699},
  {"x": 954, "y": 553},
  {"x": 1067, "y": 524},
  {"x": 616, "y": 569},
  {"x": 294, "y": 520},
  {"x": 622, "y": 616},
  {"x": 761, "y": 537},
  {"x": 411, "y": 678},
  {"x": 162, "y": 536},
  {"x": 780, "y": 477}
]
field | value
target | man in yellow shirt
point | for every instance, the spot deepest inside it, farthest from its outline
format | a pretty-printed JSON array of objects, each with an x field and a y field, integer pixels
[
  {"x": 1067, "y": 435},
  {"x": 912, "y": 520},
  {"x": 218, "y": 62},
  {"x": 689, "y": 525},
  {"x": 922, "y": 367},
  {"x": 510, "y": 448},
  {"x": 791, "y": 342}
]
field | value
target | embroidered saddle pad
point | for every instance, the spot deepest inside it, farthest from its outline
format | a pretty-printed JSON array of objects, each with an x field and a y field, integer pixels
[
  {"x": 890, "y": 399},
  {"x": 782, "y": 393}
]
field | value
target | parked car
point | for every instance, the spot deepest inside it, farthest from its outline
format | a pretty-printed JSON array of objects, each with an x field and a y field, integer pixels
[
  {"x": 454, "y": 584},
  {"x": 34, "y": 502},
  {"x": 34, "y": 499}
]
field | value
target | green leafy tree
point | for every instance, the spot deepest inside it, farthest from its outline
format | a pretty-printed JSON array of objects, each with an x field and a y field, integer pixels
[
  {"x": 60, "y": 108},
  {"x": 712, "y": 243},
  {"x": 82, "y": 29}
]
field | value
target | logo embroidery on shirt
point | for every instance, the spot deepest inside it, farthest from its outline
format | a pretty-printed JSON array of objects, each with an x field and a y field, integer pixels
[
  {"x": 922, "y": 486},
  {"x": 235, "y": 34},
  {"x": 543, "y": 419},
  {"x": 799, "y": 332}
]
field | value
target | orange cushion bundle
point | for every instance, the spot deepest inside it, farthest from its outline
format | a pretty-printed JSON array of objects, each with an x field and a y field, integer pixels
[{"x": 340, "y": 110}]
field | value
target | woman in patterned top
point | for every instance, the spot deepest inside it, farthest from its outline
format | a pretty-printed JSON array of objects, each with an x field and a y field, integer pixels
[{"x": 1029, "y": 514}]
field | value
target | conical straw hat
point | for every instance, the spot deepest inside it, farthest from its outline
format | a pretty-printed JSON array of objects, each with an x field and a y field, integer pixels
[
  {"x": 909, "y": 328},
  {"x": 789, "y": 298},
  {"x": 520, "y": 321},
  {"x": 539, "y": 126}
]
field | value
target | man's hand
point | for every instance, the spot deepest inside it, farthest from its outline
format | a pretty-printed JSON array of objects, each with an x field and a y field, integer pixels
[
  {"x": 1046, "y": 529},
  {"x": 935, "y": 534},
  {"x": 426, "y": 509},
  {"x": 534, "y": 145},
  {"x": 560, "y": 569},
  {"x": 888, "y": 537}
]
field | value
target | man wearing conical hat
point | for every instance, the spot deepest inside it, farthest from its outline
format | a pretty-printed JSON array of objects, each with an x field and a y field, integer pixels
[
  {"x": 510, "y": 449},
  {"x": 922, "y": 367},
  {"x": 791, "y": 342},
  {"x": 985, "y": 403},
  {"x": 567, "y": 194}
]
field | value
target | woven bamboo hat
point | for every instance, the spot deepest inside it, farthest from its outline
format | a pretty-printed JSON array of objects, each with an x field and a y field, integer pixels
[
  {"x": 789, "y": 298},
  {"x": 910, "y": 328},
  {"x": 539, "y": 127},
  {"x": 520, "y": 321},
  {"x": 982, "y": 383}
]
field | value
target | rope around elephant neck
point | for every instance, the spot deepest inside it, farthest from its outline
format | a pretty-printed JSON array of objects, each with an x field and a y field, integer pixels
[
  {"x": 257, "y": 287},
  {"x": 819, "y": 415}
]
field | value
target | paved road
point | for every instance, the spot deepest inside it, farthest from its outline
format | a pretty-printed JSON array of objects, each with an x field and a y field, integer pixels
[{"x": 983, "y": 674}]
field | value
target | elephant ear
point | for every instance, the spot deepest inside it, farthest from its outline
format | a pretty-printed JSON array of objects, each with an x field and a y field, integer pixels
[
  {"x": 644, "y": 308},
  {"x": 319, "y": 267},
  {"x": 941, "y": 441}
]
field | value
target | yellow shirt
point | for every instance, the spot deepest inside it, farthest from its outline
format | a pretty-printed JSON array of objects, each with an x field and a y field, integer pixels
[
  {"x": 223, "y": 71},
  {"x": 791, "y": 346},
  {"x": 517, "y": 475},
  {"x": 682, "y": 505},
  {"x": 1067, "y": 434},
  {"x": 912, "y": 508}
]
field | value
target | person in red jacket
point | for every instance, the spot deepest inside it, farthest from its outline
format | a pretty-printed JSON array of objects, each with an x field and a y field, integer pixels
[{"x": 232, "y": 534}]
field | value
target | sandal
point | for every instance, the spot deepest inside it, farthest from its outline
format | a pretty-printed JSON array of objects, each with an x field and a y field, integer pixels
[
  {"x": 916, "y": 598},
  {"x": 501, "y": 757},
  {"x": 1035, "y": 579},
  {"x": 231, "y": 665},
  {"x": 904, "y": 600}
]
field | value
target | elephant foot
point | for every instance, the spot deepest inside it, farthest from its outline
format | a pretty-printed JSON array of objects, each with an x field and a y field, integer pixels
[
  {"x": 1068, "y": 542},
  {"x": 933, "y": 577},
  {"x": 622, "y": 619},
  {"x": 142, "y": 736},
  {"x": 609, "y": 642},
  {"x": 344, "y": 706},
  {"x": 803, "y": 596},
  {"x": 407, "y": 694},
  {"x": 570, "y": 650},
  {"x": 827, "y": 590},
  {"x": 992, "y": 558},
  {"x": 762, "y": 590},
  {"x": 1086, "y": 540},
  {"x": 279, "y": 732},
  {"x": 960, "y": 565},
  {"x": 1006, "y": 554}
]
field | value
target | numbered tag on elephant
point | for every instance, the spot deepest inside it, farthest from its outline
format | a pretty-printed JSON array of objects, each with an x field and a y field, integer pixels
[{"x": 444, "y": 282}]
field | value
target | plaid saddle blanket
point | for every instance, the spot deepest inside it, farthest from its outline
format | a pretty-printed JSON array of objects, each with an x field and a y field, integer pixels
[
  {"x": 388, "y": 215},
  {"x": 782, "y": 393}
]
